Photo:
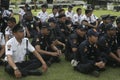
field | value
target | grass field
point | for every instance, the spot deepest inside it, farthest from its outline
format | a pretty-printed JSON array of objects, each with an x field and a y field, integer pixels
[{"x": 64, "y": 71}]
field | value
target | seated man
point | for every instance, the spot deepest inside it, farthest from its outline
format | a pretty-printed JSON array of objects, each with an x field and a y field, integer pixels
[
  {"x": 2, "y": 47},
  {"x": 8, "y": 31},
  {"x": 89, "y": 57},
  {"x": 74, "y": 41},
  {"x": 109, "y": 46},
  {"x": 16, "y": 49},
  {"x": 45, "y": 46}
]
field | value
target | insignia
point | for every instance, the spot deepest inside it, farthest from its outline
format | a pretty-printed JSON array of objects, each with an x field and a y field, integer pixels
[
  {"x": 8, "y": 46},
  {"x": 106, "y": 44},
  {"x": 37, "y": 40},
  {"x": 31, "y": 26},
  {"x": 85, "y": 49}
]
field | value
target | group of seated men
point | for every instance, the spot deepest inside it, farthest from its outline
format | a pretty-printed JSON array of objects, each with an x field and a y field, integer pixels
[{"x": 89, "y": 42}]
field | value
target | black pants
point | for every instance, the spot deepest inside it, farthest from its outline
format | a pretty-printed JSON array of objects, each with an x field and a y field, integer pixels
[
  {"x": 24, "y": 67},
  {"x": 86, "y": 68}
]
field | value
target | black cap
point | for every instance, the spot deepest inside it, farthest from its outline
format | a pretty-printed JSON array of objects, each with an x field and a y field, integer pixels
[
  {"x": 45, "y": 25},
  {"x": 44, "y": 6},
  {"x": 110, "y": 27},
  {"x": 61, "y": 15},
  {"x": 52, "y": 20},
  {"x": 118, "y": 20},
  {"x": 92, "y": 32},
  {"x": 18, "y": 28},
  {"x": 70, "y": 6},
  {"x": 105, "y": 17},
  {"x": 82, "y": 27}
]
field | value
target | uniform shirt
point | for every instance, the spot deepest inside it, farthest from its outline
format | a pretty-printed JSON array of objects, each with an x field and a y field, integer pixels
[
  {"x": 52, "y": 15},
  {"x": 42, "y": 16},
  {"x": 76, "y": 18},
  {"x": 21, "y": 13},
  {"x": 89, "y": 53},
  {"x": 90, "y": 19},
  {"x": 30, "y": 24},
  {"x": 108, "y": 44},
  {"x": 44, "y": 42},
  {"x": 2, "y": 39},
  {"x": 101, "y": 29},
  {"x": 69, "y": 14},
  {"x": 17, "y": 50},
  {"x": 6, "y": 13},
  {"x": 8, "y": 31},
  {"x": 118, "y": 36}
]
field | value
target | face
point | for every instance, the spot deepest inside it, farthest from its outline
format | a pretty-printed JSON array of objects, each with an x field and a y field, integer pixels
[
  {"x": 69, "y": 9},
  {"x": 93, "y": 39},
  {"x": 79, "y": 12},
  {"x": 63, "y": 19},
  {"x": 45, "y": 31},
  {"x": 44, "y": 9},
  {"x": 81, "y": 32},
  {"x": 10, "y": 24},
  {"x": 89, "y": 14},
  {"x": 19, "y": 35},
  {"x": 55, "y": 11},
  {"x": 112, "y": 32}
]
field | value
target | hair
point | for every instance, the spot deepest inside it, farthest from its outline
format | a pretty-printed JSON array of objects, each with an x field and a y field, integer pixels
[
  {"x": 61, "y": 10},
  {"x": 12, "y": 19},
  {"x": 78, "y": 9},
  {"x": 88, "y": 11}
]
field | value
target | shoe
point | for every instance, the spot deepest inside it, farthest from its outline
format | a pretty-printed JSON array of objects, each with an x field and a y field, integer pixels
[
  {"x": 95, "y": 73},
  {"x": 34, "y": 72}
]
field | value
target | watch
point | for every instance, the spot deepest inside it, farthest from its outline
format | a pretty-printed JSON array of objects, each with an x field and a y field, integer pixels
[{"x": 15, "y": 68}]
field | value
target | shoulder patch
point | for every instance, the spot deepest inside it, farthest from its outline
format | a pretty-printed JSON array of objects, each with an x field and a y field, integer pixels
[
  {"x": 85, "y": 49},
  {"x": 9, "y": 47}
]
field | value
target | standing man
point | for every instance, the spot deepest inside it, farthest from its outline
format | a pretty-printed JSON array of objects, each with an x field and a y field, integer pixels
[
  {"x": 43, "y": 15},
  {"x": 16, "y": 49}
]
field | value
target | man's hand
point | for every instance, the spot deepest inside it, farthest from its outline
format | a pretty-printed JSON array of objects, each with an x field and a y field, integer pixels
[
  {"x": 59, "y": 52},
  {"x": 100, "y": 64},
  {"x": 54, "y": 53},
  {"x": 17, "y": 74},
  {"x": 44, "y": 67}
]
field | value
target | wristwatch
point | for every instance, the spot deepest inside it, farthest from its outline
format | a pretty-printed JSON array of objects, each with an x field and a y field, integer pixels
[{"x": 15, "y": 68}]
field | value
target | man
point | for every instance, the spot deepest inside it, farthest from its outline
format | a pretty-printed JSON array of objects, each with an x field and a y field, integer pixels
[
  {"x": 74, "y": 41},
  {"x": 89, "y": 19},
  {"x": 31, "y": 24},
  {"x": 2, "y": 47},
  {"x": 69, "y": 13},
  {"x": 102, "y": 27},
  {"x": 118, "y": 30},
  {"x": 89, "y": 57},
  {"x": 43, "y": 15},
  {"x": 45, "y": 46},
  {"x": 63, "y": 27},
  {"x": 3, "y": 23},
  {"x": 54, "y": 12},
  {"x": 77, "y": 17},
  {"x": 108, "y": 45},
  {"x": 8, "y": 31},
  {"x": 16, "y": 49}
]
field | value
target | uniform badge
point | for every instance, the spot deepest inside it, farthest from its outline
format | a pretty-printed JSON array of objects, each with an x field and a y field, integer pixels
[
  {"x": 85, "y": 49},
  {"x": 8, "y": 46}
]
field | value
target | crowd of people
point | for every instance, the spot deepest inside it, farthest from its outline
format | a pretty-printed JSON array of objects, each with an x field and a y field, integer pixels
[{"x": 88, "y": 42}]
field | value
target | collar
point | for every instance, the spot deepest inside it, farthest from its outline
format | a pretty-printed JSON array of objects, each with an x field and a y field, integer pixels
[{"x": 16, "y": 42}]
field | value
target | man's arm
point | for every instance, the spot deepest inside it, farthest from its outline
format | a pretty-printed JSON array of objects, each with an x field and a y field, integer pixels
[{"x": 44, "y": 66}]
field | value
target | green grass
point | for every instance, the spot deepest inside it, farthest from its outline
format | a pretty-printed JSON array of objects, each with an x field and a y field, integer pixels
[{"x": 63, "y": 70}]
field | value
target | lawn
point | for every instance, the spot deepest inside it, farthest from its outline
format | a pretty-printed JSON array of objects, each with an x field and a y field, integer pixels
[{"x": 64, "y": 71}]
